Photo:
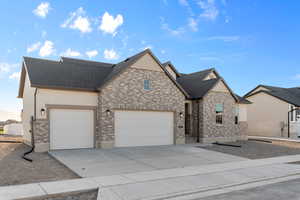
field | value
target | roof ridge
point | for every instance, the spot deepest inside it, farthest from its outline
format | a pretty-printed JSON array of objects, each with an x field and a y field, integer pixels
[
  {"x": 209, "y": 69},
  {"x": 42, "y": 59},
  {"x": 74, "y": 60}
]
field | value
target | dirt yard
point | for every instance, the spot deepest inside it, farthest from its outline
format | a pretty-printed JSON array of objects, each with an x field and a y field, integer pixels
[
  {"x": 255, "y": 150},
  {"x": 15, "y": 170}
]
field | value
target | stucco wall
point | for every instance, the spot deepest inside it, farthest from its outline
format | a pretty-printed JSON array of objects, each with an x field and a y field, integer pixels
[
  {"x": 265, "y": 115},
  {"x": 243, "y": 112},
  {"x": 56, "y": 97},
  {"x": 28, "y": 109},
  {"x": 126, "y": 92},
  {"x": 64, "y": 97}
]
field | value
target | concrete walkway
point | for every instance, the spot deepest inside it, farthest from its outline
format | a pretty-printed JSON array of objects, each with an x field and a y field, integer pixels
[{"x": 177, "y": 183}]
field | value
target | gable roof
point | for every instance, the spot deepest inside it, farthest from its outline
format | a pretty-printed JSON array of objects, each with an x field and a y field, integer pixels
[
  {"x": 85, "y": 75},
  {"x": 169, "y": 63},
  {"x": 77, "y": 74},
  {"x": 196, "y": 85},
  {"x": 242, "y": 100},
  {"x": 289, "y": 95},
  {"x": 65, "y": 74}
]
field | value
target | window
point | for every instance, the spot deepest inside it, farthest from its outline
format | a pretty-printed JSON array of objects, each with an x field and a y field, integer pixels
[
  {"x": 236, "y": 117},
  {"x": 219, "y": 113},
  {"x": 146, "y": 84}
]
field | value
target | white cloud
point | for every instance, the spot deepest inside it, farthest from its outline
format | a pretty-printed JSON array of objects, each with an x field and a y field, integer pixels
[
  {"x": 297, "y": 77},
  {"x": 47, "y": 49},
  {"x": 6, "y": 67},
  {"x": 110, "y": 54},
  {"x": 193, "y": 24},
  {"x": 15, "y": 75},
  {"x": 91, "y": 53},
  {"x": 225, "y": 38},
  {"x": 33, "y": 47},
  {"x": 175, "y": 32},
  {"x": 42, "y": 10},
  {"x": 148, "y": 47},
  {"x": 78, "y": 20},
  {"x": 109, "y": 24},
  {"x": 71, "y": 53},
  {"x": 210, "y": 11},
  {"x": 162, "y": 51},
  {"x": 183, "y": 2}
]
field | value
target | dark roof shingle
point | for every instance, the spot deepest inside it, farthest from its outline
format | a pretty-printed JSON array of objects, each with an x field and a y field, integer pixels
[
  {"x": 69, "y": 75},
  {"x": 290, "y": 95}
]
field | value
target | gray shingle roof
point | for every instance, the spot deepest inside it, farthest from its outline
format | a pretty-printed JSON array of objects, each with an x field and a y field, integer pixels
[
  {"x": 77, "y": 74},
  {"x": 194, "y": 84},
  {"x": 242, "y": 100},
  {"x": 290, "y": 95},
  {"x": 64, "y": 74}
]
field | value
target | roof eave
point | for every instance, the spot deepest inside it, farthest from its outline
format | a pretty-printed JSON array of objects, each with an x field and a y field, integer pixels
[{"x": 282, "y": 99}]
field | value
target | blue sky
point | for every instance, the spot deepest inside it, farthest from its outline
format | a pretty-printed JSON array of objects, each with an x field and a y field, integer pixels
[{"x": 249, "y": 42}]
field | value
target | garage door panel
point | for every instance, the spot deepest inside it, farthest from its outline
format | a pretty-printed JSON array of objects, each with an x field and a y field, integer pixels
[
  {"x": 141, "y": 128},
  {"x": 71, "y": 129}
]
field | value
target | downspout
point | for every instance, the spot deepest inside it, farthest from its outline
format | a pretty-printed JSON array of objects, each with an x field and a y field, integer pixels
[
  {"x": 198, "y": 121},
  {"x": 289, "y": 124},
  {"x": 33, "y": 118}
]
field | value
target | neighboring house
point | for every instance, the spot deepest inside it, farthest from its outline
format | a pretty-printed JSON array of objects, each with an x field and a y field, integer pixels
[
  {"x": 268, "y": 113},
  {"x": 137, "y": 102}
]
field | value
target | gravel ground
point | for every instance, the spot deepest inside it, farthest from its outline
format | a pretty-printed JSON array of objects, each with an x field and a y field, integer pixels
[
  {"x": 15, "y": 170},
  {"x": 254, "y": 150}
]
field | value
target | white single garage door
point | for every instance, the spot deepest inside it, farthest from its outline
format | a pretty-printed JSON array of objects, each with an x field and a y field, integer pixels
[
  {"x": 71, "y": 129},
  {"x": 142, "y": 128}
]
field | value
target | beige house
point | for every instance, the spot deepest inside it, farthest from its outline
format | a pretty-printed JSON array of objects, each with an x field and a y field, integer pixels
[
  {"x": 270, "y": 113},
  {"x": 74, "y": 103}
]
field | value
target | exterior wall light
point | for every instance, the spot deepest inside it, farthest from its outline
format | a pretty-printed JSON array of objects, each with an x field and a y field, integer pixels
[
  {"x": 43, "y": 111},
  {"x": 181, "y": 115},
  {"x": 108, "y": 112}
]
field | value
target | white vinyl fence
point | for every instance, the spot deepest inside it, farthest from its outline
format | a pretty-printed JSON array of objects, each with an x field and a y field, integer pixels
[{"x": 13, "y": 129}]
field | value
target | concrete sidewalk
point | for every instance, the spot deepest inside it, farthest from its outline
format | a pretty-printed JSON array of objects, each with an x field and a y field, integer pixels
[{"x": 168, "y": 183}]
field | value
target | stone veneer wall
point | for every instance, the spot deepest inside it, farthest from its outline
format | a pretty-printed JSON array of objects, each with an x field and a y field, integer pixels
[
  {"x": 126, "y": 92},
  {"x": 211, "y": 132},
  {"x": 243, "y": 129},
  {"x": 41, "y": 134}
]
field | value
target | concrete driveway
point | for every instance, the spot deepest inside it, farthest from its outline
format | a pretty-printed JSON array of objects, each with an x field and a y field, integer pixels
[{"x": 117, "y": 161}]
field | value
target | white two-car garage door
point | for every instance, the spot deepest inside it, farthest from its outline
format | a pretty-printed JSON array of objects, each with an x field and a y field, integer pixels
[
  {"x": 71, "y": 129},
  {"x": 143, "y": 128}
]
